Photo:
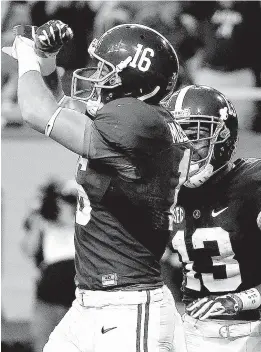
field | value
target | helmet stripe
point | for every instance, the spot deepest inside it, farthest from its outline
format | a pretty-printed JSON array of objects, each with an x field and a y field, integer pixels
[
  {"x": 149, "y": 95},
  {"x": 180, "y": 98}
]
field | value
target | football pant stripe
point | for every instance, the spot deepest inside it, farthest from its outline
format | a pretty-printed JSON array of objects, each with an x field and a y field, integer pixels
[
  {"x": 146, "y": 323},
  {"x": 138, "y": 331}
]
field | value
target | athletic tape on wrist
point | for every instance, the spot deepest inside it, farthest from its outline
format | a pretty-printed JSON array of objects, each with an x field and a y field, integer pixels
[
  {"x": 251, "y": 299},
  {"x": 27, "y": 59},
  {"x": 50, "y": 123},
  {"x": 29, "y": 64}
]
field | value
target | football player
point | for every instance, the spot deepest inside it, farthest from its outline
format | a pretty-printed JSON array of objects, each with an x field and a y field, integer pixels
[
  {"x": 218, "y": 227},
  {"x": 133, "y": 158}
]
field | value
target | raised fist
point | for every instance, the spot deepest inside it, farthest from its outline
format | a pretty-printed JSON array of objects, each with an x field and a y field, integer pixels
[{"x": 50, "y": 37}]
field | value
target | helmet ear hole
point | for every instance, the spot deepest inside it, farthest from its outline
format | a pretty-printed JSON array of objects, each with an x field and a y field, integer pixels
[
  {"x": 223, "y": 152},
  {"x": 224, "y": 134}
]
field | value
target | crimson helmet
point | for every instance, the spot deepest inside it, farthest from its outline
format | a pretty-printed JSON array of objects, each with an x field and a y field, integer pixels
[
  {"x": 210, "y": 121},
  {"x": 131, "y": 60}
]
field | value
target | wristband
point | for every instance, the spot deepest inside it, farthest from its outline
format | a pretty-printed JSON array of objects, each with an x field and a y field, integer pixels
[
  {"x": 251, "y": 299},
  {"x": 28, "y": 64}
]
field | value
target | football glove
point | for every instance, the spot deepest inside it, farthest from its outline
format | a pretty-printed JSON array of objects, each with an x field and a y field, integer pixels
[
  {"x": 212, "y": 306},
  {"x": 50, "y": 37},
  {"x": 47, "y": 39}
]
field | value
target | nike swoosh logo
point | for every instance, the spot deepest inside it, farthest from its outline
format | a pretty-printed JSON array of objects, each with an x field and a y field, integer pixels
[
  {"x": 106, "y": 330},
  {"x": 214, "y": 214}
]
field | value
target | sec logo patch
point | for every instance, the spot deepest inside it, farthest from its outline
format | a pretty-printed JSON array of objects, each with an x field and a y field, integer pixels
[{"x": 178, "y": 215}]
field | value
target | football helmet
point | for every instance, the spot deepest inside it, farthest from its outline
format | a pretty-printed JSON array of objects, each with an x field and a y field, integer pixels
[
  {"x": 210, "y": 121},
  {"x": 131, "y": 60}
]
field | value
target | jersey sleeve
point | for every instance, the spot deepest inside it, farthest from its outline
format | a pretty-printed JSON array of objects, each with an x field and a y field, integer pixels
[
  {"x": 250, "y": 180},
  {"x": 252, "y": 173},
  {"x": 133, "y": 127},
  {"x": 96, "y": 148}
]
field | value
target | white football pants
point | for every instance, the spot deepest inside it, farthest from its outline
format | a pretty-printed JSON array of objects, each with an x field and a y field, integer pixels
[{"x": 120, "y": 321}]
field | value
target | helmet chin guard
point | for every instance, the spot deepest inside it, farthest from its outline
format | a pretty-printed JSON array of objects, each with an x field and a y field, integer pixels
[
  {"x": 92, "y": 106},
  {"x": 200, "y": 177}
]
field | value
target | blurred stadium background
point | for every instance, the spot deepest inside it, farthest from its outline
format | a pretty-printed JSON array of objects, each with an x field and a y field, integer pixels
[{"x": 230, "y": 61}]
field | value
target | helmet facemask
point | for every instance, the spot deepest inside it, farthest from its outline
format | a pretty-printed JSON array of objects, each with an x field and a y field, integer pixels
[
  {"x": 87, "y": 83},
  {"x": 205, "y": 132}
]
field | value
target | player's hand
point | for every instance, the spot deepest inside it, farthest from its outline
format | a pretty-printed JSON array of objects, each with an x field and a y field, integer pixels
[
  {"x": 50, "y": 37},
  {"x": 212, "y": 306}
]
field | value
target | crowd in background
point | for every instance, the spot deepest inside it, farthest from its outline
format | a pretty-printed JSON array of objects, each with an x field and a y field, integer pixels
[
  {"x": 217, "y": 41},
  {"x": 49, "y": 243}
]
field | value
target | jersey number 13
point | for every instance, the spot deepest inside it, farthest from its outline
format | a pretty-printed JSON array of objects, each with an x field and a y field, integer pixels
[{"x": 209, "y": 260}]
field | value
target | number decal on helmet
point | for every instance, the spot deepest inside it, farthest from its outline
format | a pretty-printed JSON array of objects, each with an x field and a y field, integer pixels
[{"x": 144, "y": 62}]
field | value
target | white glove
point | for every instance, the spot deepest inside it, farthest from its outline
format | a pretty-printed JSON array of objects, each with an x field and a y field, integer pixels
[
  {"x": 23, "y": 34},
  {"x": 212, "y": 306},
  {"x": 23, "y": 51},
  {"x": 21, "y": 46}
]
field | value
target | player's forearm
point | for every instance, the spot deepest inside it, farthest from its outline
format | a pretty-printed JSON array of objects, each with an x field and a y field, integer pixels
[
  {"x": 51, "y": 76},
  {"x": 37, "y": 103},
  {"x": 53, "y": 82}
]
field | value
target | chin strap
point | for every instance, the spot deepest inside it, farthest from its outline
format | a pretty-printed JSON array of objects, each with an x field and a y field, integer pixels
[
  {"x": 198, "y": 179},
  {"x": 92, "y": 106}
]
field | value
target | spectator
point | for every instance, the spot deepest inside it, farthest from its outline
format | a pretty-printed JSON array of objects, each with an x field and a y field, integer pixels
[
  {"x": 166, "y": 18},
  {"x": 231, "y": 55},
  {"x": 49, "y": 242},
  {"x": 79, "y": 16},
  {"x": 113, "y": 13}
]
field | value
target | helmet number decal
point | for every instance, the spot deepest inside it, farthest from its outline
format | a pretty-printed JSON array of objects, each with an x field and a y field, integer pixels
[{"x": 141, "y": 59}]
